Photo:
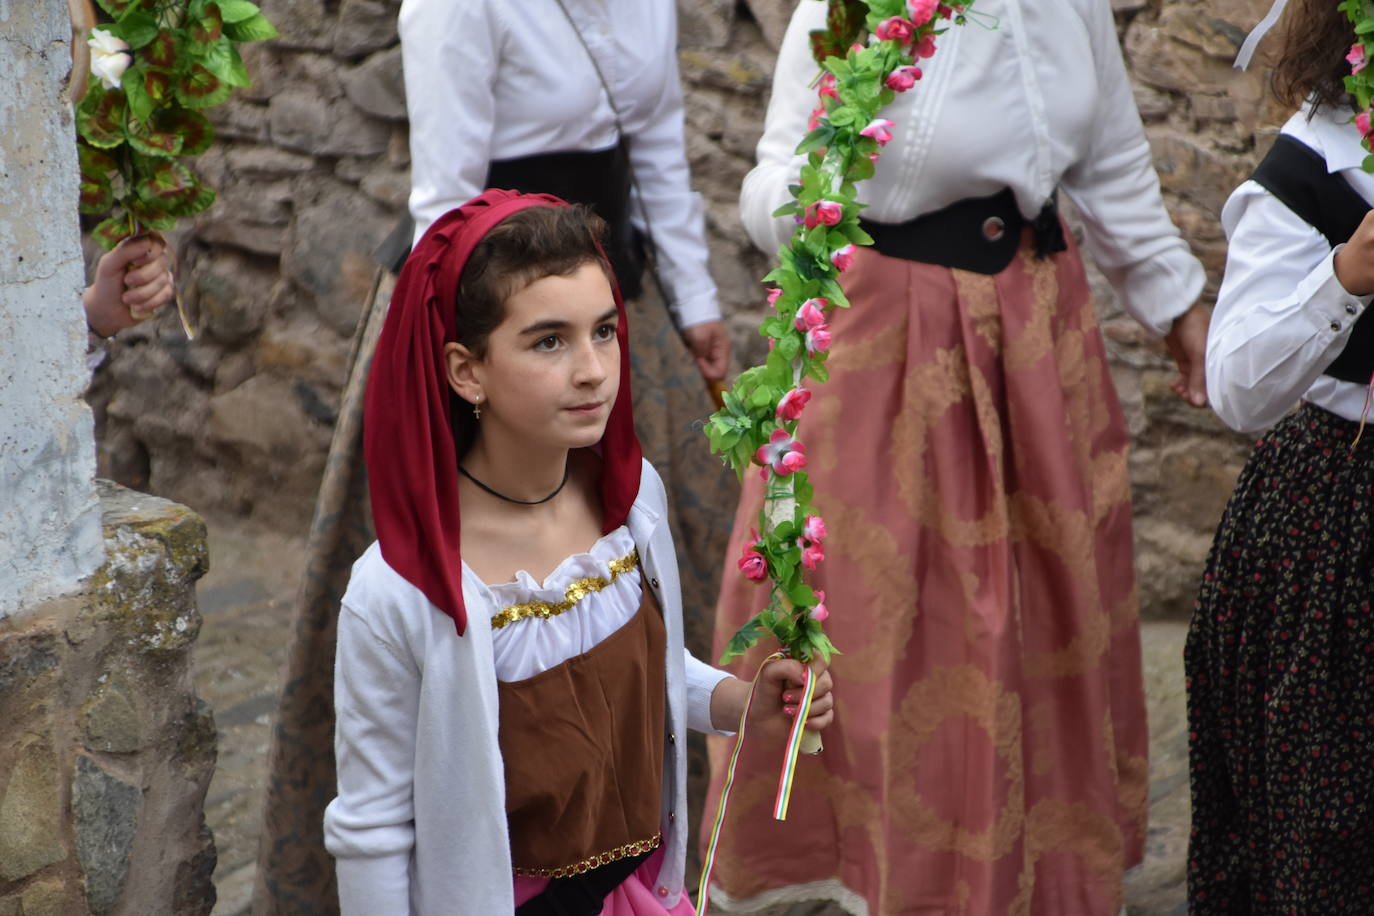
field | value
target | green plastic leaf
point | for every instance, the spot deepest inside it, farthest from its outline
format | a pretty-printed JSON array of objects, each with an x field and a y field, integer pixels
[
  {"x": 136, "y": 27},
  {"x": 195, "y": 130},
  {"x": 112, "y": 231},
  {"x": 237, "y": 10},
  {"x": 101, "y": 116},
  {"x": 95, "y": 195},
  {"x": 208, "y": 29},
  {"x": 161, "y": 52},
  {"x": 115, "y": 8},
  {"x": 151, "y": 141},
  {"x": 135, "y": 91},
  {"x": 254, "y": 29},
  {"x": 199, "y": 88},
  {"x": 223, "y": 61}
]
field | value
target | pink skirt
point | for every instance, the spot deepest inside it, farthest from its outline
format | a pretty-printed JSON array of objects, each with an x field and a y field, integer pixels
[
  {"x": 634, "y": 897},
  {"x": 989, "y": 751}
]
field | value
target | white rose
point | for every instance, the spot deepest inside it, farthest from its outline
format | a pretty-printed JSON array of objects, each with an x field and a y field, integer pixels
[{"x": 110, "y": 57}]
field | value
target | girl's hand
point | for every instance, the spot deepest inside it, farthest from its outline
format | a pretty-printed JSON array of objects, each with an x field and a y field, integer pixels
[
  {"x": 1354, "y": 264},
  {"x": 780, "y": 690},
  {"x": 1187, "y": 343},
  {"x": 777, "y": 699},
  {"x": 131, "y": 282}
]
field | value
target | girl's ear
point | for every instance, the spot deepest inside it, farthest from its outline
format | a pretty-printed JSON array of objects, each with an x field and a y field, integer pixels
[{"x": 461, "y": 372}]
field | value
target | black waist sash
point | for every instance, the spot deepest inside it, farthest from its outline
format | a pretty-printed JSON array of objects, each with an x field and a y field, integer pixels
[
  {"x": 980, "y": 234},
  {"x": 600, "y": 179},
  {"x": 1297, "y": 175}
]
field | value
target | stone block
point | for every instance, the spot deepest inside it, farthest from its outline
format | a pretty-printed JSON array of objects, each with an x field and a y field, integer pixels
[
  {"x": 377, "y": 86},
  {"x": 105, "y": 811},
  {"x": 1193, "y": 171},
  {"x": 1152, "y": 104},
  {"x": 229, "y": 294},
  {"x": 390, "y": 189},
  {"x": 1159, "y": 60},
  {"x": 365, "y": 26},
  {"x": 44, "y": 898},
  {"x": 24, "y": 657},
  {"x": 747, "y": 70},
  {"x": 303, "y": 24},
  {"x": 1214, "y": 37},
  {"x": 328, "y": 249},
  {"x": 772, "y": 17},
  {"x": 300, "y": 120},
  {"x": 31, "y": 813},
  {"x": 110, "y": 719},
  {"x": 704, "y": 23},
  {"x": 240, "y": 119},
  {"x": 298, "y": 345},
  {"x": 194, "y": 892},
  {"x": 267, "y": 161}
]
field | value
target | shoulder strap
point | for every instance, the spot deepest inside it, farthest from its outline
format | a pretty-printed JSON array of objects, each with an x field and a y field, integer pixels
[{"x": 1297, "y": 175}]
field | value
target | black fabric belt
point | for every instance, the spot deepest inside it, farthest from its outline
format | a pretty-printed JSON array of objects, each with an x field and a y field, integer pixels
[
  {"x": 584, "y": 894},
  {"x": 979, "y": 234},
  {"x": 1298, "y": 176},
  {"x": 599, "y": 179}
]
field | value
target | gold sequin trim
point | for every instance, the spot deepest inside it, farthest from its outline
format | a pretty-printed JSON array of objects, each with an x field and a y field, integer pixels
[
  {"x": 638, "y": 847},
  {"x": 574, "y": 593}
]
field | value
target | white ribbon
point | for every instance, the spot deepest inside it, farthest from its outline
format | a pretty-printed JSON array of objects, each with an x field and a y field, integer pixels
[{"x": 1247, "y": 50}]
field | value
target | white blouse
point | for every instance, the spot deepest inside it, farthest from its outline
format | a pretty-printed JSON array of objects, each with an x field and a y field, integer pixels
[
  {"x": 584, "y": 600},
  {"x": 1038, "y": 102},
  {"x": 490, "y": 79},
  {"x": 1281, "y": 315}
]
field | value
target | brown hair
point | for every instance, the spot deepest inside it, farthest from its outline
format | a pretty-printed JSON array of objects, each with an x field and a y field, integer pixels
[
  {"x": 1311, "y": 59},
  {"x": 528, "y": 245}
]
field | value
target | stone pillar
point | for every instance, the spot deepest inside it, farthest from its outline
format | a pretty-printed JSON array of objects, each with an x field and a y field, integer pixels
[{"x": 49, "y": 518}]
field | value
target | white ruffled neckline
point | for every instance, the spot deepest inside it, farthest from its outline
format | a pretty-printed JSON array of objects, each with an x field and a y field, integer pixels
[{"x": 594, "y": 562}]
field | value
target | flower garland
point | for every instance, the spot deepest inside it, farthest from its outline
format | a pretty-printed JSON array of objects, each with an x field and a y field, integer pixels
[
  {"x": 1360, "y": 84},
  {"x": 758, "y": 424},
  {"x": 156, "y": 66}
]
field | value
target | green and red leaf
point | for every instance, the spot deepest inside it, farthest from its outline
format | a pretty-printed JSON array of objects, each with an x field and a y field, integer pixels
[
  {"x": 112, "y": 231},
  {"x": 199, "y": 88},
  {"x": 152, "y": 141},
  {"x": 101, "y": 116},
  {"x": 195, "y": 130},
  {"x": 208, "y": 29},
  {"x": 161, "y": 52}
]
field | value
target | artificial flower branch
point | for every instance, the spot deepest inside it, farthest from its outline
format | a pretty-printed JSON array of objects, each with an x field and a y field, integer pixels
[
  {"x": 158, "y": 64},
  {"x": 758, "y": 424}
]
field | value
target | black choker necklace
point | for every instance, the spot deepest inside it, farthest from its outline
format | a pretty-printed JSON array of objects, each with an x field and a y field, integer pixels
[{"x": 522, "y": 502}]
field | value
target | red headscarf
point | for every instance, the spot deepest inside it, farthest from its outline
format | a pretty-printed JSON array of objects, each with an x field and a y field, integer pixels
[{"x": 412, "y": 464}]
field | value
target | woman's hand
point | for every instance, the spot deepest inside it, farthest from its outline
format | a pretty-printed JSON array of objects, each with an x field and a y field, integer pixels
[
  {"x": 710, "y": 347},
  {"x": 778, "y": 697},
  {"x": 131, "y": 283},
  {"x": 1187, "y": 343}
]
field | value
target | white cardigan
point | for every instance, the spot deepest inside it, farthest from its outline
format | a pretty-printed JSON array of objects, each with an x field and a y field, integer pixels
[{"x": 419, "y": 824}]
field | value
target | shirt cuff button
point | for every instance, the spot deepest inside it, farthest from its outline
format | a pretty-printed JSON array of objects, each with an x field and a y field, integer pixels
[
  {"x": 662, "y": 891},
  {"x": 1335, "y": 325},
  {"x": 1350, "y": 309}
]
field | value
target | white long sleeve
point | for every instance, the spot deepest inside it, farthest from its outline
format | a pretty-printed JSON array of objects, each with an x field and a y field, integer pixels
[
  {"x": 370, "y": 826},
  {"x": 1281, "y": 315},
  {"x": 484, "y": 82},
  {"x": 1040, "y": 101}
]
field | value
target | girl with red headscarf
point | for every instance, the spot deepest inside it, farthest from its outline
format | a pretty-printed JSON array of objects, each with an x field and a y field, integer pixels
[{"x": 511, "y": 684}]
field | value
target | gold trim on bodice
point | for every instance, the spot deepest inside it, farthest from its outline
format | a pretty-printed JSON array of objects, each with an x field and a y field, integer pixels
[
  {"x": 574, "y": 593},
  {"x": 638, "y": 847}
]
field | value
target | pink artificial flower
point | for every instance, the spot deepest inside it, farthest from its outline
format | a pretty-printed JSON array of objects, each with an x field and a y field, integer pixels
[
  {"x": 1356, "y": 58},
  {"x": 819, "y": 612},
  {"x": 813, "y": 529},
  {"x": 815, "y": 120},
  {"x": 895, "y": 29},
  {"x": 827, "y": 86},
  {"x": 812, "y": 555},
  {"x": 843, "y": 258},
  {"x": 823, "y": 211},
  {"x": 792, "y": 404},
  {"x": 818, "y": 340},
  {"x": 925, "y": 47},
  {"x": 1362, "y": 124},
  {"x": 873, "y": 158},
  {"x": 903, "y": 78},
  {"x": 753, "y": 564},
  {"x": 783, "y": 454},
  {"x": 811, "y": 315},
  {"x": 922, "y": 11},
  {"x": 878, "y": 129},
  {"x": 773, "y": 295}
]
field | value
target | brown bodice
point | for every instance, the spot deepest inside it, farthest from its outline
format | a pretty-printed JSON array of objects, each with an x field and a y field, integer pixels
[{"x": 583, "y": 749}]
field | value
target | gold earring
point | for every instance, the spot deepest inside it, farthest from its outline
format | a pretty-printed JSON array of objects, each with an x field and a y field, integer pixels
[{"x": 477, "y": 409}]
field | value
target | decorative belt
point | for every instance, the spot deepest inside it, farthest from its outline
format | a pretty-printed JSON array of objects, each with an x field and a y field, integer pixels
[{"x": 980, "y": 234}]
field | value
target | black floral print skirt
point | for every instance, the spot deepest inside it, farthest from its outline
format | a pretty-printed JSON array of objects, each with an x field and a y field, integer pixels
[{"x": 1280, "y": 665}]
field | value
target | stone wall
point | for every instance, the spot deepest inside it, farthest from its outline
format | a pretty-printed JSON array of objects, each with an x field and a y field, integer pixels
[
  {"x": 49, "y": 521},
  {"x": 105, "y": 750},
  {"x": 312, "y": 170}
]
